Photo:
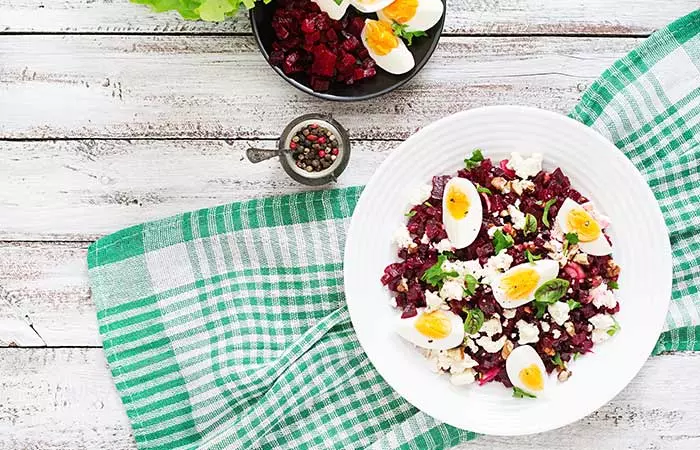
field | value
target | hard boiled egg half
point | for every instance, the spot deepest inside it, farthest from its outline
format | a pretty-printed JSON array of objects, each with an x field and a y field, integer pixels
[
  {"x": 436, "y": 330},
  {"x": 517, "y": 285},
  {"x": 387, "y": 50},
  {"x": 461, "y": 212},
  {"x": 417, "y": 15},
  {"x": 370, "y": 6},
  {"x": 573, "y": 218},
  {"x": 334, "y": 10},
  {"x": 526, "y": 370}
]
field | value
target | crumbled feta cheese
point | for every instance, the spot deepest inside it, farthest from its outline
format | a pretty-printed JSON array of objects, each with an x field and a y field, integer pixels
[
  {"x": 581, "y": 258},
  {"x": 491, "y": 327},
  {"x": 602, "y": 321},
  {"x": 559, "y": 312},
  {"x": 525, "y": 167},
  {"x": 452, "y": 360},
  {"x": 421, "y": 194},
  {"x": 556, "y": 251},
  {"x": 452, "y": 290},
  {"x": 545, "y": 326},
  {"x": 517, "y": 217},
  {"x": 497, "y": 265},
  {"x": 444, "y": 246},
  {"x": 471, "y": 345},
  {"x": 505, "y": 322},
  {"x": 433, "y": 300},
  {"x": 402, "y": 238},
  {"x": 425, "y": 239},
  {"x": 520, "y": 186},
  {"x": 556, "y": 334},
  {"x": 463, "y": 268},
  {"x": 557, "y": 232},
  {"x": 464, "y": 378},
  {"x": 528, "y": 333},
  {"x": 602, "y": 296},
  {"x": 599, "y": 336},
  {"x": 491, "y": 231},
  {"x": 508, "y": 313},
  {"x": 392, "y": 302},
  {"x": 489, "y": 345}
]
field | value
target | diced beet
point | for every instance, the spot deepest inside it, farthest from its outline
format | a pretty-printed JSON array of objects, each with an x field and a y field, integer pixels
[
  {"x": 312, "y": 38},
  {"x": 350, "y": 44},
  {"x": 346, "y": 63},
  {"x": 439, "y": 183},
  {"x": 331, "y": 35},
  {"x": 409, "y": 311},
  {"x": 363, "y": 53},
  {"x": 361, "y": 74},
  {"x": 319, "y": 84},
  {"x": 324, "y": 62},
  {"x": 356, "y": 25}
]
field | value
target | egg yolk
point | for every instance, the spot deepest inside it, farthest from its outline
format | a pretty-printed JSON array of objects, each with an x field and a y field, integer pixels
[
  {"x": 401, "y": 11},
  {"x": 380, "y": 37},
  {"x": 434, "y": 325},
  {"x": 520, "y": 283},
  {"x": 581, "y": 223},
  {"x": 457, "y": 203},
  {"x": 531, "y": 377}
]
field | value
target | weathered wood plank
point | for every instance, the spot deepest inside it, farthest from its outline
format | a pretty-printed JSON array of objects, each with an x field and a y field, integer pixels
[
  {"x": 219, "y": 87},
  {"x": 595, "y": 17},
  {"x": 65, "y": 398}
]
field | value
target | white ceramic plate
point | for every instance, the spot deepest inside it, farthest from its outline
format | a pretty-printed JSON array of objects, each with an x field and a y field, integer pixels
[{"x": 600, "y": 172}]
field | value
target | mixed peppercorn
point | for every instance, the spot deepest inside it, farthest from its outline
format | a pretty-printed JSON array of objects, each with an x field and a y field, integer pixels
[{"x": 314, "y": 148}]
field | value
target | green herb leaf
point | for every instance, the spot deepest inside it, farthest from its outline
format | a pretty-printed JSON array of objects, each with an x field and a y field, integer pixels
[
  {"x": 435, "y": 276},
  {"x": 571, "y": 238},
  {"x": 530, "y": 224},
  {"x": 556, "y": 359},
  {"x": 427, "y": 204},
  {"x": 209, "y": 10},
  {"x": 614, "y": 329},
  {"x": 613, "y": 285},
  {"x": 474, "y": 320},
  {"x": 530, "y": 257},
  {"x": 577, "y": 355},
  {"x": 540, "y": 309},
  {"x": 400, "y": 31},
  {"x": 411, "y": 213},
  {"x": 483, "y": 190},
  {"x": 470, "y": 284},
  {"x": 551, "y": 291},
  {"x": 519, "y": 393},
  {"x": 501, "y": 241},
  {"x": 474, "y": 160},
  {"x": 545, "y": 214},
  {"x": 573, "y": 304},
  {"x": 448, "y": 254}
]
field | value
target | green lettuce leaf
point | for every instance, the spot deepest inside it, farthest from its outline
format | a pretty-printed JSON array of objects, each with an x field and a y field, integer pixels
[{"x": 208, "y": 10}]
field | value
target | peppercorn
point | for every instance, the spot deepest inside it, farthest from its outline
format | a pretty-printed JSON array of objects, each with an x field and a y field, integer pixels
[{"x": 314, "y": 148}]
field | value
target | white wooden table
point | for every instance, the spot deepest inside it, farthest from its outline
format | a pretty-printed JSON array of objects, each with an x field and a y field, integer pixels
[{"x": 111, "y": 115}]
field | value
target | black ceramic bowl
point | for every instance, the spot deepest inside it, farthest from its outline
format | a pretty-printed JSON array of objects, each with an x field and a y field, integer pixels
[{"x": 422, "y": 49}]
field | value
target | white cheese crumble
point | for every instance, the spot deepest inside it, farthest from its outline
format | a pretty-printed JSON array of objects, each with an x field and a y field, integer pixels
[
  {"x": 559, "y": 312},
  {"x": 453, "y": 360},
  {"x": 497, "y": 265},
  {"x": 602, "y": 321},
  {"x": 489, "y": 345},
  {"x": 491, "y": 231},
  {"x": 471, "y": 345},
  {"x": 420, "y": 194},
  {"x": 464, "y": 378},
  {"x": 599, "y": 336},
  {"x": 433, "y": 300},
  {"x": 508, "y": 313},
  {"x": 463, "y": 268},
  {"x": 491, "y": 327},
  {"x": 528, "y": 333},
  {"x": 581, "y": 258},
  {"x": 425, "y": 239},
  {"x": 443, "y": 246},
  {"x": 520, "y": 186},
  {"x": 556, "y": 251},
  {"x": 452, "y": 290},
  {"x": 545, "y": 326},
  {"x": 402, "y": 238},
  {"x": 556, "y": 334},
  {"x": 517, "y": 217},
  {"x": 602, "y": 296},
  {"x": 525, "y": 167}
]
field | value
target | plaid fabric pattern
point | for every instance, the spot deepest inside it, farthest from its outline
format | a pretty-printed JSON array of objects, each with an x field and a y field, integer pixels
[{"x": 227, "y": 327}]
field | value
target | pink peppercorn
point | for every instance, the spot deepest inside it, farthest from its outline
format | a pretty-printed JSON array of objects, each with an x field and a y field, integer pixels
[
  {"x": 321, "y": 154},
  {"x": 335, "y": 151}
]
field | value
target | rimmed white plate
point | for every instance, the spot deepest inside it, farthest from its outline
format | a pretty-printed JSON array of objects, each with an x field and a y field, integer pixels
[{"x": 599, "y": 171}]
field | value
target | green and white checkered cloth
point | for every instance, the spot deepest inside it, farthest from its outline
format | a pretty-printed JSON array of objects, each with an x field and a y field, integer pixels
[{"x": 227, "y": 327}]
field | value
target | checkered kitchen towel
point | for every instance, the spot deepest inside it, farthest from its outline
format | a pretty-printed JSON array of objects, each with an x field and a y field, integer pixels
[{"x": 227, "y": 328}]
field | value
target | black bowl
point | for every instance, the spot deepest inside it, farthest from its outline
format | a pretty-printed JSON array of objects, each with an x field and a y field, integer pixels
[{"x": 422, "y": 49}]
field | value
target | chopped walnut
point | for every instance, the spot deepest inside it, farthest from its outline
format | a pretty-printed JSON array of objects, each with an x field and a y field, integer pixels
[
  {"x": 581, "y": 258},
  {"x": 549, "y": 351},
  {"x": 507, "y": 348},
  {"x": 412, "y": 248},
  {"x": 499, "y": 183},
  {"x": 569, "y": 327},
  {"x": 564, "y": 375},
  {"x": 403, "y": 286},
  {"x": 613, "y": 269}
]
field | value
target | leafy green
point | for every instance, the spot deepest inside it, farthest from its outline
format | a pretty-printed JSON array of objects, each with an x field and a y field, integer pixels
[
  {"x": 577, "y": 355},
  {"x": 540, "y": 309},
  {"x": 613, "y": 285},
  {"x": 411, "y": 213},
  {"x": 530, "y": 257},
  {"x": 483, "y": 189},
  {"x": 501, "y": 241},
  {"x": 435, "y": 276},
  {"x": 573, "y": 304},
  {"x": 519, "y": 393},
  {"x": 400, "y": 31},
  {"x": 470, "y": 284},
  {"x": 209, "y": 10},
  {"x": 570, "y": 238},
  {"x": 474, "y": 320},
  {"x": 614, "y": 329},
  {"x": 530, "y": 224},
  {"x": 474, "y": 160},
  {"x": 556, "y": 359},
  {"x": 551, "y": 291},
  {"x": 545, "y": 214}
]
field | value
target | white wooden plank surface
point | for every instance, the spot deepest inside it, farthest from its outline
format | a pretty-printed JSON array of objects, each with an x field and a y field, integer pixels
[
  {"x": 65, "y": 399},
  {"x": 204, "y": 86},
  {"x": 596, "y": 17}
]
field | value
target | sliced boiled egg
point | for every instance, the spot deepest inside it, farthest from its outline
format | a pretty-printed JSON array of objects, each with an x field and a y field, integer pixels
[
  {"x": 435, "y": 330},
  {"x": 417, "y": 15},
  {"x": 334, "y": 10},
  {"x": 387, "y": 50},
  {"x": 461, "y": 212},
  {"x": 573, "y": 218},
  {"x": 517, "y": 285},
  {"x": 370, "y": 6},
  {"x": 526, "y": 370}
]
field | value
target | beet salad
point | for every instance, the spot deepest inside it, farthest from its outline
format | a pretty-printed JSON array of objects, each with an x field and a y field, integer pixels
[{"x": 505, "y": 274}]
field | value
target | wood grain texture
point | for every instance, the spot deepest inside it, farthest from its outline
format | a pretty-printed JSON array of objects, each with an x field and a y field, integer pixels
[
  {"x": 65, "y": 398},
  {"x": 594, "y": 17},
  {"x": 220, "y": 87}
]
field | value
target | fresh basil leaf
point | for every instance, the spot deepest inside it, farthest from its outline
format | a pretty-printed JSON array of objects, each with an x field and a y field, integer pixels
[
  {"x": 556, "y": 359},
  {"x": 519, "y": 393},
  {"x": 573, "y": 304},
  {"x": 474, "y": 320},
  {"x": 614, "y": 329},
  {"x": 474, "y": 160},
  {"x": 613, "y": 285},
  {"x": 483, "y": 190},
  {"x": 501, "y": 241},
  {"x": 470, "y": 284},
  {"x": 545, "y": 214},
  {"x": 530, "y": 257},
  {"x": 530, "y": 224},
  {"x": 540, "y": 309},
  {"x": 551, "y": 291},
  {"x": 411, "y": 213},
  {"x": 435, "y": 276}
]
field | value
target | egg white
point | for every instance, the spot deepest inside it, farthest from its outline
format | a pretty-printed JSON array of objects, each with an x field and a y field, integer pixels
[
  {"x": 520, "y": 358},
  {"x": 334, "y": 10},
  {"x": 547, "y": 269},
  {"x": 598, "y": 247},
  {"x": 428, "y": 13},
  {"x": 370, "y": 6},
  {"x": 407, "y": 330},
  {"x": 399, "y": 60},
  {"x": 462, "y": 232}
]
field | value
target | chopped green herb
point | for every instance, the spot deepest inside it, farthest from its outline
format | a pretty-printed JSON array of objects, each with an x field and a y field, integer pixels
[
  {"x": 428, "y": 204},
  {"x": 435, "y": 276},
  {"x": 470, "y": 284},
  {"x": 519, "y": 393},
  {"x": 551, "y": 291},
  {"x": 545, "y": 214},
  {"x": 573, "y": 304},
  {"x": 474, "y": 320},
  {"x": 530, "y": 257},
  {"x": 613, "y": 285},
  {"x": 540, "y": 309},
  {"x": 484, "y": 190},
  {"x": 556, "y": 359},
  {"x": 474, "y": 160},
  {"x": 614, "y": 329},
  {"x": 530, "y": 224},
  {"x": 501, "y": 241},
  {"x": 400, "y": 31},
  {"x": 571, "y": 238},
  {"x": 577, "y": 355},
  {"x": 411, "y": 213},
  {"x": 448, "y": 254}
]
